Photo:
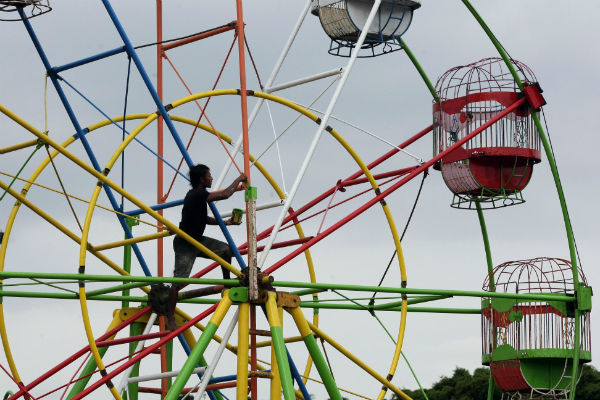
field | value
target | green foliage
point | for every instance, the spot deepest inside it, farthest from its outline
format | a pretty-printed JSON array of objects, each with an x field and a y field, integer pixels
[
  {"x": 588, "y": 387},
  {"x": 464, "y": 386},
  {"x": 461, "y": 386}
]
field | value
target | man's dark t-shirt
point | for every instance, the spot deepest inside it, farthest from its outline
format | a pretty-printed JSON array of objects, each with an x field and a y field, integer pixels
[{"x": 194, "y": 213}]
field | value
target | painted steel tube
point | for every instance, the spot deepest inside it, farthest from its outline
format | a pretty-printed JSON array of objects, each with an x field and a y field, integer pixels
[
  {"x": 242, "y": 351},
  {"x": 358, "y": 362},
  {"x": 394, "y": 187},
  {"x": 315, "y": 353},
  {"x": 279, "y": 345},
  {"x": 90, "y": 366},
  {"x": 199, "y": 348}
]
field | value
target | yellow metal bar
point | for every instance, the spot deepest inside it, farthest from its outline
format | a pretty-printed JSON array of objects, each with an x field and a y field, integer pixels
[
  {"x": 242, "y": 354},
  {"x": 276, "y": 381},
  {"x": 358, "y": 362},
  {"x": 75, "y": 197},
  {"x": 267, "y": 343},
  {"x": 138, "y": 239},
  {"x": 19, "y": 146}
]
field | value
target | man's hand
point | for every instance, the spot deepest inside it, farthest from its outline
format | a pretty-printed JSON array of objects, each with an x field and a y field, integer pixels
[{"x": 230, "y": 221}]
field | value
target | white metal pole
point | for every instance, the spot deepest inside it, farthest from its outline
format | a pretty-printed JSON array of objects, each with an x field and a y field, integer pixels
[
  {"x": 213, "y": 364},
  {"x": 302, "y": 81},
  {"x": 170, "y": 374},
  {"x": 258, "y": 105},
  {"x": 265, "y": 206},
  {"x": 322, "y": 125},
  {"x": 139, "y": 346}
]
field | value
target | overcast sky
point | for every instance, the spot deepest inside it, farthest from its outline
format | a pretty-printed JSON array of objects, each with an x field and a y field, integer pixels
[{"x": 384, "y": 95}]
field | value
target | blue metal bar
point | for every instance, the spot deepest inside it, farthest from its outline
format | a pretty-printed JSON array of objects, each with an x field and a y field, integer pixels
[
  {"x": 297, "y": 376},
  {"x": 157, "y": 207},
  {"x": 90, "y": 59},
  {"x": 80, "y": 133},
  {"x": 121, "y": 127},
  {"x": 230, "y": 241},
  {"x": 138, "y": 63}
]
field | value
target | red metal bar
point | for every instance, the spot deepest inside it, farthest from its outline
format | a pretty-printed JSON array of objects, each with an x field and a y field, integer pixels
[
  {"x": 214, "y": 386},
  {"x": 159, "y": 181},
  {"x": 130, "y": 339},
  {"x": 144, "y": 353},
  {"x": 280, "y": 244},
  {"x": 230, "y": 26},
  {"x": 398, "y": 172},
  {"x": 328, "y": 193},
  {"x": 78, "y": 354},
  {"x": 393, "y": 188}
]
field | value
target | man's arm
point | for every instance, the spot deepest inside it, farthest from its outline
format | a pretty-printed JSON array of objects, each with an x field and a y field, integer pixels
[
  {"x": 228, "y": 191},
  {"x": 213, "y": 221}
]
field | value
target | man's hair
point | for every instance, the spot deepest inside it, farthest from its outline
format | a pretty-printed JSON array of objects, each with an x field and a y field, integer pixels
[{"x": 196, "y": 173}]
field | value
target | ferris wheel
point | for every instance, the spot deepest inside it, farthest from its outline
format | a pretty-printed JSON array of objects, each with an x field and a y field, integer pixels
[{"x": 117, "y": 189}]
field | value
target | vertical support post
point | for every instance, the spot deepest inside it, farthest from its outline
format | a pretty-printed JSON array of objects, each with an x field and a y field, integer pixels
[
  {"x": 279, "y": 346},
  {"x": 270, "y": 80},
  {"x": 276, "y": 381},
  {"x": 559, "y": 189},
  {"x": 164, "y": 359},
  {"x": 198, "y": 350},
  {"x": 490, "y": 268},
  {"x": 242, "y": 351},
  {"x": 253, "y": 354},
  {"x": 250, "y": 199},
  {"x": 315, "y": 353}
]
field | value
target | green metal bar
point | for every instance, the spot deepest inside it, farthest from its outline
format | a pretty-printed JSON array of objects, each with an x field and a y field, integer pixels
[
  {"x": 198, "y": 350},
  {"x": 86, "y": 374},
  {"x": 115, "y": 278},
  {"x": 307, "y": 291},
  {"x": 92, "y": 293},
  {"x": 38, "y": 283},
  {"x": 490, "y": 268},
  {"x": 420, "y": 70},
  {"x": 383, "y": 289},
  {"x": 191, "y": 362},
  {"x": 443, "y": 292},
  {"x": 37, "y": 147},
  {"x": 486, "y": 245},
  {"x": 66, "y": 296},
  {"x": 53, "y": 286},
  {"x": 315, "y": 353},
  {"x": 559, "y": 189},
  {"x": 345, "y": 306},
  {"x": 282, "y": 362},
  {"x": 278, "y": 343}
]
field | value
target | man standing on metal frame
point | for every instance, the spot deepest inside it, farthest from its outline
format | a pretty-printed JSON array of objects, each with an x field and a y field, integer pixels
[{"x": 194, "y": 218}]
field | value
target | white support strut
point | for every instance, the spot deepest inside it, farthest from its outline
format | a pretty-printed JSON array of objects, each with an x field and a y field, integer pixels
[
  {"x": 301, "y": 81},
  {"x": 153, "y": 377},
  {"x": 322, "y": 126},
  {"x": 140, "y": 345},
  {"x": 269, "y": 82},
  {"x": 213, "y": 364}
]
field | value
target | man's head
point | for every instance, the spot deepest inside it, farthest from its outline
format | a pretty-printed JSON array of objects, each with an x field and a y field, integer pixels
[{"x": 200, "y": 175}]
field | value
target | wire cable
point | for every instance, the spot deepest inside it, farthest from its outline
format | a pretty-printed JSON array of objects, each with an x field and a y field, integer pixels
[{"x": 403, "y": 232}]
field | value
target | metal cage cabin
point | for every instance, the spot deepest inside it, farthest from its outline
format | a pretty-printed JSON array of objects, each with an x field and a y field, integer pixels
[
  {"x": 493, "y": 167},
  {"x": 344, "y": 20},
  {"x": 530, "y": 345}
]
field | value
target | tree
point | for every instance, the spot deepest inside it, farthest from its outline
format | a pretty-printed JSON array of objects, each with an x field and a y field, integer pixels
[{"x": 464, "y": 386}]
